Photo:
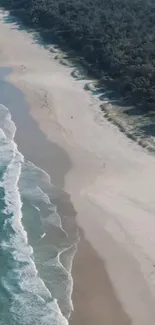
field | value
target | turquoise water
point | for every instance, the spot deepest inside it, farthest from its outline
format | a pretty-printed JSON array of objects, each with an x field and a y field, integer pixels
[{"x": 35, "y": 285}]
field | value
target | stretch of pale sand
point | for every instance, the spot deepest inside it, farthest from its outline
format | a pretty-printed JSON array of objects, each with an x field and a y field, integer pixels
[{"x": 111, "y": 182}]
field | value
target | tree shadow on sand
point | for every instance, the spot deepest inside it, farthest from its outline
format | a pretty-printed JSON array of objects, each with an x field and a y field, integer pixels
[{"x": 103, "y": 89}]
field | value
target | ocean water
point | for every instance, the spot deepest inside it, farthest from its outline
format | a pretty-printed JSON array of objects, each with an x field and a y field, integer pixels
[{"x": 36, "y": 253}]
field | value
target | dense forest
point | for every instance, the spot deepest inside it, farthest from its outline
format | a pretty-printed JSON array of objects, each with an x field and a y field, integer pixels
[{"x": 115, "y": 37}]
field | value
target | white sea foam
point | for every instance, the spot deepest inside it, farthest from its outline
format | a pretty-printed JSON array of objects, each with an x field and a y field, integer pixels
[
  {"x": 33, "y": 304},
  {"x": 33, "y": 191},
  {"x": 6, "y": 122}
]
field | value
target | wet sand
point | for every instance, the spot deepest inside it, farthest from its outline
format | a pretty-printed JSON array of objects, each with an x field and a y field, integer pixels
[
  {"x": 93, "y": 295},
  {"x": 103, "y": 174}
]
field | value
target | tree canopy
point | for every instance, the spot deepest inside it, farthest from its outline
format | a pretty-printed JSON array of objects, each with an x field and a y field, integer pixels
[{"x": 116, "y": 37}]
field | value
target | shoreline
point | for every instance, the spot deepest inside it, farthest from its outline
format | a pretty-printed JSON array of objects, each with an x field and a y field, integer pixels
[
  {"x": 94, "y": 297},
  {"x": 99, "y": 170},
  {"x": 65, "y": 208}
]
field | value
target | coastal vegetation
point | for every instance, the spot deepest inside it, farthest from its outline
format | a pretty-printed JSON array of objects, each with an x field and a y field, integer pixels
[{"x": 115, "y": 37}]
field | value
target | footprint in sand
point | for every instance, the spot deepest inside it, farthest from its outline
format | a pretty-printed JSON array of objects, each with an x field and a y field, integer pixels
[{"x": 23, "y": 67}]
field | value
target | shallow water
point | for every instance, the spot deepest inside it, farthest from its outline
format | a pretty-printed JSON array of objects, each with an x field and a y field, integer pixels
[{"x": 36, "y": 253}]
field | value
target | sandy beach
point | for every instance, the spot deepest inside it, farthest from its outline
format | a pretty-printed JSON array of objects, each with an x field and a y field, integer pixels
[{"x": 109, "y": 181}]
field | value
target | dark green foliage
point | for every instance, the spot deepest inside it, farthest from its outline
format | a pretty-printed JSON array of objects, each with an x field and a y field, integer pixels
[{"x": 114, "y": 36}]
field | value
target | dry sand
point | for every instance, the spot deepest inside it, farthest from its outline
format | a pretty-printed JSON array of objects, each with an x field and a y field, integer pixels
[{"x": 111, "y": 184}]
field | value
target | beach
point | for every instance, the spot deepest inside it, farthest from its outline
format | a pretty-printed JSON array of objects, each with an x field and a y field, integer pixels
[{"x": 104, "y": 184}]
